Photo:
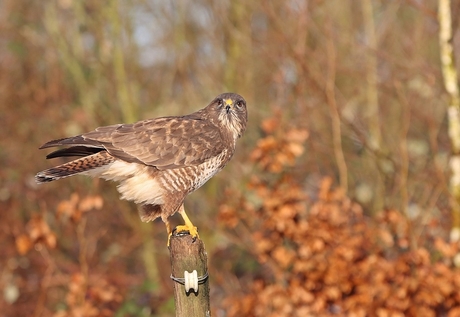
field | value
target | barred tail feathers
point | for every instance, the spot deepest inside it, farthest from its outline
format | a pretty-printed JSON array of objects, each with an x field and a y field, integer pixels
[{"x": 74, "y": 167}]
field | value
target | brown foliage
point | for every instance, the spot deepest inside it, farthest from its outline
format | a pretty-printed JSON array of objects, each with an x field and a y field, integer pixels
[
  {"x": 328, "y": 259},
  {"x": 279, "y": 148},
  {"x": 373, "y": 102},
  {"x": 99, "y": 298},
  {"x": 74, "y": 207},
  {"x": 37, "y": 232}
]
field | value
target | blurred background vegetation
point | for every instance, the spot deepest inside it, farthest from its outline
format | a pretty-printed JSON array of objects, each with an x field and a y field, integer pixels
[{"x": 348, "y": 90}]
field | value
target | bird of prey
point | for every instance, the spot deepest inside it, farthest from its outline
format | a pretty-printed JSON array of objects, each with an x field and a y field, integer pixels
[{"x": 157, "y": 162}]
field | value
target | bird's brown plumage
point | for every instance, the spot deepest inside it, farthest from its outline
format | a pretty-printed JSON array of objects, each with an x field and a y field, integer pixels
[{"x": 157, "y": 161}]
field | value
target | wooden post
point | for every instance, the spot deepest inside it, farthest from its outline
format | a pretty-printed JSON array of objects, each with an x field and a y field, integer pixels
[{"x": 188, "y": 254}]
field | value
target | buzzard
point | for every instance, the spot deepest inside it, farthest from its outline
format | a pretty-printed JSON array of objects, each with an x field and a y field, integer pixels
[{"x": 157, "y": 162}]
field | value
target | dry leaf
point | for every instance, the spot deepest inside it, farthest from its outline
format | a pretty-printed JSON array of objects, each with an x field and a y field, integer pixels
[{"x": 23, "y": 244}]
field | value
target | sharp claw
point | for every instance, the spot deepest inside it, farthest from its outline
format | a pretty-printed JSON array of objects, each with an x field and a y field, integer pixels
[
  {"x": 193, "y": 231},
  {"x": 188, "y": 227}
]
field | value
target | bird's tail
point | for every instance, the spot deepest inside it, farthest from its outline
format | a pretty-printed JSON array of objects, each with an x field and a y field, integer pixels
[{"x": 74, "y": 167}]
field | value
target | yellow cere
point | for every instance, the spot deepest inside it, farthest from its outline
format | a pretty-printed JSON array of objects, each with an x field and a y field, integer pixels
[{"x": 228, "y": 102}]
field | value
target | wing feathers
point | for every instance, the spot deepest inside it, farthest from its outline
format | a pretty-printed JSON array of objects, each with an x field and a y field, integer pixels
[
  {"x": 168, "y": 142},
  {"x": 74, "y": 151},
  {"x": 76, "y": 140}
]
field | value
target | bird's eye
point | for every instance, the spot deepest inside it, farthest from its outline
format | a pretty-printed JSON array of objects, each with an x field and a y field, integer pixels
[
  {"x": 220, "y": 102},
  {"x": 239, "y": 104}
]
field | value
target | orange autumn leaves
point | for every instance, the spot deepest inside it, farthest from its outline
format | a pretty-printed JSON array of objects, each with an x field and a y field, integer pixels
[
  {"x": 75, "y": 207},
  {"x": 322, "y": 257},
  {"x": 87, "y": 295},
  {"x": 99, "y": 298},
  {"x": 279, "y": 148},
  {"x": 38, "y": 232},
  {"x": 326, "y": 258}
]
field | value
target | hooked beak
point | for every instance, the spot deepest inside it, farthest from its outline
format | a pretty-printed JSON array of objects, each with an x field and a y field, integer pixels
[{"x": 228, "y": 104}]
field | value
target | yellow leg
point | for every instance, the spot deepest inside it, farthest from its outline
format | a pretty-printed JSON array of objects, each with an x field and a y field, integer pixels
[
  {"x": 188, "y": 226},
  {"x": 168, "y": 229}
]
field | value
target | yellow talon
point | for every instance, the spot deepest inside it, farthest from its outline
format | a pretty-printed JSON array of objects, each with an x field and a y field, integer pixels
[
  {"x": 192, "y": 230},
  {"x": 187, "y": 227}
]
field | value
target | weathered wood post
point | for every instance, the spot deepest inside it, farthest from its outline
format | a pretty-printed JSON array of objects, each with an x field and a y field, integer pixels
[{"x": 187, "y": 255}]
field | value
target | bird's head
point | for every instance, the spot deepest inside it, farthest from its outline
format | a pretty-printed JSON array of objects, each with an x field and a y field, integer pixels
[{"x": 229, "y": 110}]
